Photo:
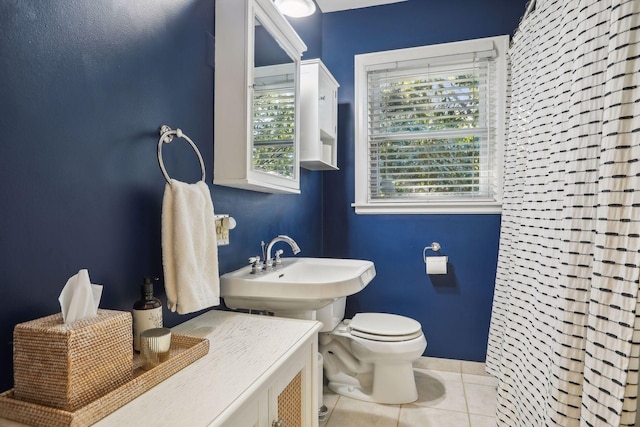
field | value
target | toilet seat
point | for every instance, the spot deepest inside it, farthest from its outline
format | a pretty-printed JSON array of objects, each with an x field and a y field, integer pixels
[{"x": 384, "y": 327}]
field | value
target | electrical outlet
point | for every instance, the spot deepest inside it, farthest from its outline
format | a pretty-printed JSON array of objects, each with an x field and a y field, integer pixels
[
  {"x": 224, "y": 223},
  {"x": 222, "y": 234}
]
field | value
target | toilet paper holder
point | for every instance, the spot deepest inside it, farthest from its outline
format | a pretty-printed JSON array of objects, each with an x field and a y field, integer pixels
[
  {"x": 435, "y": 246},
  {"x": 434, "y": 264}
]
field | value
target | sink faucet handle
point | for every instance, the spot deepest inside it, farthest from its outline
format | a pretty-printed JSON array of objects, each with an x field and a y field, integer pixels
[
  {"x": 256, "y": 264},
  {"x": 278, "y": 261}
]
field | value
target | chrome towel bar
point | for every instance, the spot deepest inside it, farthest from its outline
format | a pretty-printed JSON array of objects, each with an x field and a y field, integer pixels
[{"x": 166, "y": 136}]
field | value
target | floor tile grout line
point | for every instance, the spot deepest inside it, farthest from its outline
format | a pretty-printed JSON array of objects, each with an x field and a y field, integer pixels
[{"x": 466, "y": 403}]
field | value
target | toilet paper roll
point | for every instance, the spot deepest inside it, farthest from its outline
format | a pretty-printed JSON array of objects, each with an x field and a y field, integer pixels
[{"x": 436, "y": 264}]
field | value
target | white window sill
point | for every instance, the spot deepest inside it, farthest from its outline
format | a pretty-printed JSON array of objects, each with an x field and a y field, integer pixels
[{"x": 400, "y": 208}]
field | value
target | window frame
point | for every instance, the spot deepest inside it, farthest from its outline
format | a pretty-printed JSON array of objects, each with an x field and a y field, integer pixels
[{"x": 363, "y": 204}]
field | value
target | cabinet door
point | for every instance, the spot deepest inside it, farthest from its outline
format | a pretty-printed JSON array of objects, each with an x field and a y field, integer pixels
[
  {"x": 248, "y": 80},
  {"x": 289, "y": 403},
  {"x": 327, "y": 105},
  {"x": 292, "y": 394}
]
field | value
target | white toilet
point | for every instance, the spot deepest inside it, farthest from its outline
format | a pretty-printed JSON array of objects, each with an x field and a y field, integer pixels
[{"x": 370, "y": 357}]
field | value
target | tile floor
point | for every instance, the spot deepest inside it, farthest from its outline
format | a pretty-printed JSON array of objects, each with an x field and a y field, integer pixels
[{"x": 451, "y": 393}]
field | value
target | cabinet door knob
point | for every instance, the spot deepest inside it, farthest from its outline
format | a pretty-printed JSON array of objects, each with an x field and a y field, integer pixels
[{"x": 279, "y": 423}]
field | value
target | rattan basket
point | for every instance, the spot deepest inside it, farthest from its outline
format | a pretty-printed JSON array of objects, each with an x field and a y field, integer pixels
[
  {"x": 184, "y": 351},
  {"x": 67, "y": 366}
]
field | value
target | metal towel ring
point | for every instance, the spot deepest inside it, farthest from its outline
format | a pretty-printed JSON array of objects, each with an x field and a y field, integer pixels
[{"x": 166, "y": 136}]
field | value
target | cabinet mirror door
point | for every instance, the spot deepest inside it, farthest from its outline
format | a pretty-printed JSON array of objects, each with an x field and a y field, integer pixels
[{"x": 257, "y": 69}]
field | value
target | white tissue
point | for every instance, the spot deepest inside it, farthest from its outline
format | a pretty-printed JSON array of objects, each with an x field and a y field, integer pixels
[
  {"x": 436, "y": 264},
  {"x": 79, "y": 298}
]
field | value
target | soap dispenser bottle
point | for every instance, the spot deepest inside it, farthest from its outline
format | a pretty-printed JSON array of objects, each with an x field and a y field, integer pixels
[{"x": 147, "y": 312}]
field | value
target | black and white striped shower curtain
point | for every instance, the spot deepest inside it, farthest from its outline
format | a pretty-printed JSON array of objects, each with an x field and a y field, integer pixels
[{"x": 564, "y": 339}]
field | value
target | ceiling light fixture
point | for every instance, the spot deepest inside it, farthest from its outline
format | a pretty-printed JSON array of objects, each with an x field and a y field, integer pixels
[{"x": 296, "y": 8}]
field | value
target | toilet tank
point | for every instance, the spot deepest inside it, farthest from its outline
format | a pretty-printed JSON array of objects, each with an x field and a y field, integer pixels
[{"x": 332, "y": 314}]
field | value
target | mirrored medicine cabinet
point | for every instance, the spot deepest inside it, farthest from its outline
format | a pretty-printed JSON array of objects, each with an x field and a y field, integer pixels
[{"x": 256, "y": 107}]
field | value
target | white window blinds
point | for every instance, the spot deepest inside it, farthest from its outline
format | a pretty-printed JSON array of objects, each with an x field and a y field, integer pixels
[
  {"x": 430, "y": 125},
  {"x": 429, "y": 128}
]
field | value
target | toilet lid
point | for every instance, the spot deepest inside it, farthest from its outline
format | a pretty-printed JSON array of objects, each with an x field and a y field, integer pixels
[{"x": 384, "y": 327}]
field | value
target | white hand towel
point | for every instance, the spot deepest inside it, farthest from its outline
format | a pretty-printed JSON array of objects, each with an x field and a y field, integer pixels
[{"x": 189, "y": 247}]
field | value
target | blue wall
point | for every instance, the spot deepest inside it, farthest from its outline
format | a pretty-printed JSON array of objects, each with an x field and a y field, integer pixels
[
  {"x": 85, "y": 87},
  {"x": 454, "y": 309}
]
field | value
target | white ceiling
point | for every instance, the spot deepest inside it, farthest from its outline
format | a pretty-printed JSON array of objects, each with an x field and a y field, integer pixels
[{"x": 336, "y": 5}]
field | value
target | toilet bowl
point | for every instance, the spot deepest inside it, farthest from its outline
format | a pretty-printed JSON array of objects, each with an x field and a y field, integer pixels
[{"x": 370, "y": 357}]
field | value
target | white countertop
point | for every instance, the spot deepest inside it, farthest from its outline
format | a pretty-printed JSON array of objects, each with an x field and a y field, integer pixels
[{"x": 244, "y": 351}]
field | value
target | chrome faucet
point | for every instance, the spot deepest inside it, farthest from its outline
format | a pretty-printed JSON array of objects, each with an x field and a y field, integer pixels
[{"x": 281, "y": 238}]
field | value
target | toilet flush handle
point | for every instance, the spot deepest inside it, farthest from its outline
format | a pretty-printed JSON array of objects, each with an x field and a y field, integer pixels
[{"x": 279, "y": 423}]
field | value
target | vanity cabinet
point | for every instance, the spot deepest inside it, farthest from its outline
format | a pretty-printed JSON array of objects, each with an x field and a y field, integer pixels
[
  {"x": 256, "y": 98},
  {"x": 259, "y": 369},
  {"x": 283, "y": 398},
  {"x": 318, "y": 116}
]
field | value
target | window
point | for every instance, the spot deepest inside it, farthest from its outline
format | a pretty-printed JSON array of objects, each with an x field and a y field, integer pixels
[{"x": 430, "y": 128}]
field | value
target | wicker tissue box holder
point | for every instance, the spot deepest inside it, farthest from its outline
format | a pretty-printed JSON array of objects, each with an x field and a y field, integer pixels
[{"x": 67, "y": 366}]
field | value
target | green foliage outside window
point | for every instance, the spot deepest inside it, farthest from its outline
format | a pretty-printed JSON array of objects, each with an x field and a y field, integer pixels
[{"x": 426, "y": 137}]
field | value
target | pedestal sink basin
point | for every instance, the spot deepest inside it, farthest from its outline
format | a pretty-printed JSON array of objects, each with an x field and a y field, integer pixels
[{"x": 298, "y": 285}]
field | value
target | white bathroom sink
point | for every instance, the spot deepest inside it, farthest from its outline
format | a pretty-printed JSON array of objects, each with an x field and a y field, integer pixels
[{"x": 300, "y": 284}]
